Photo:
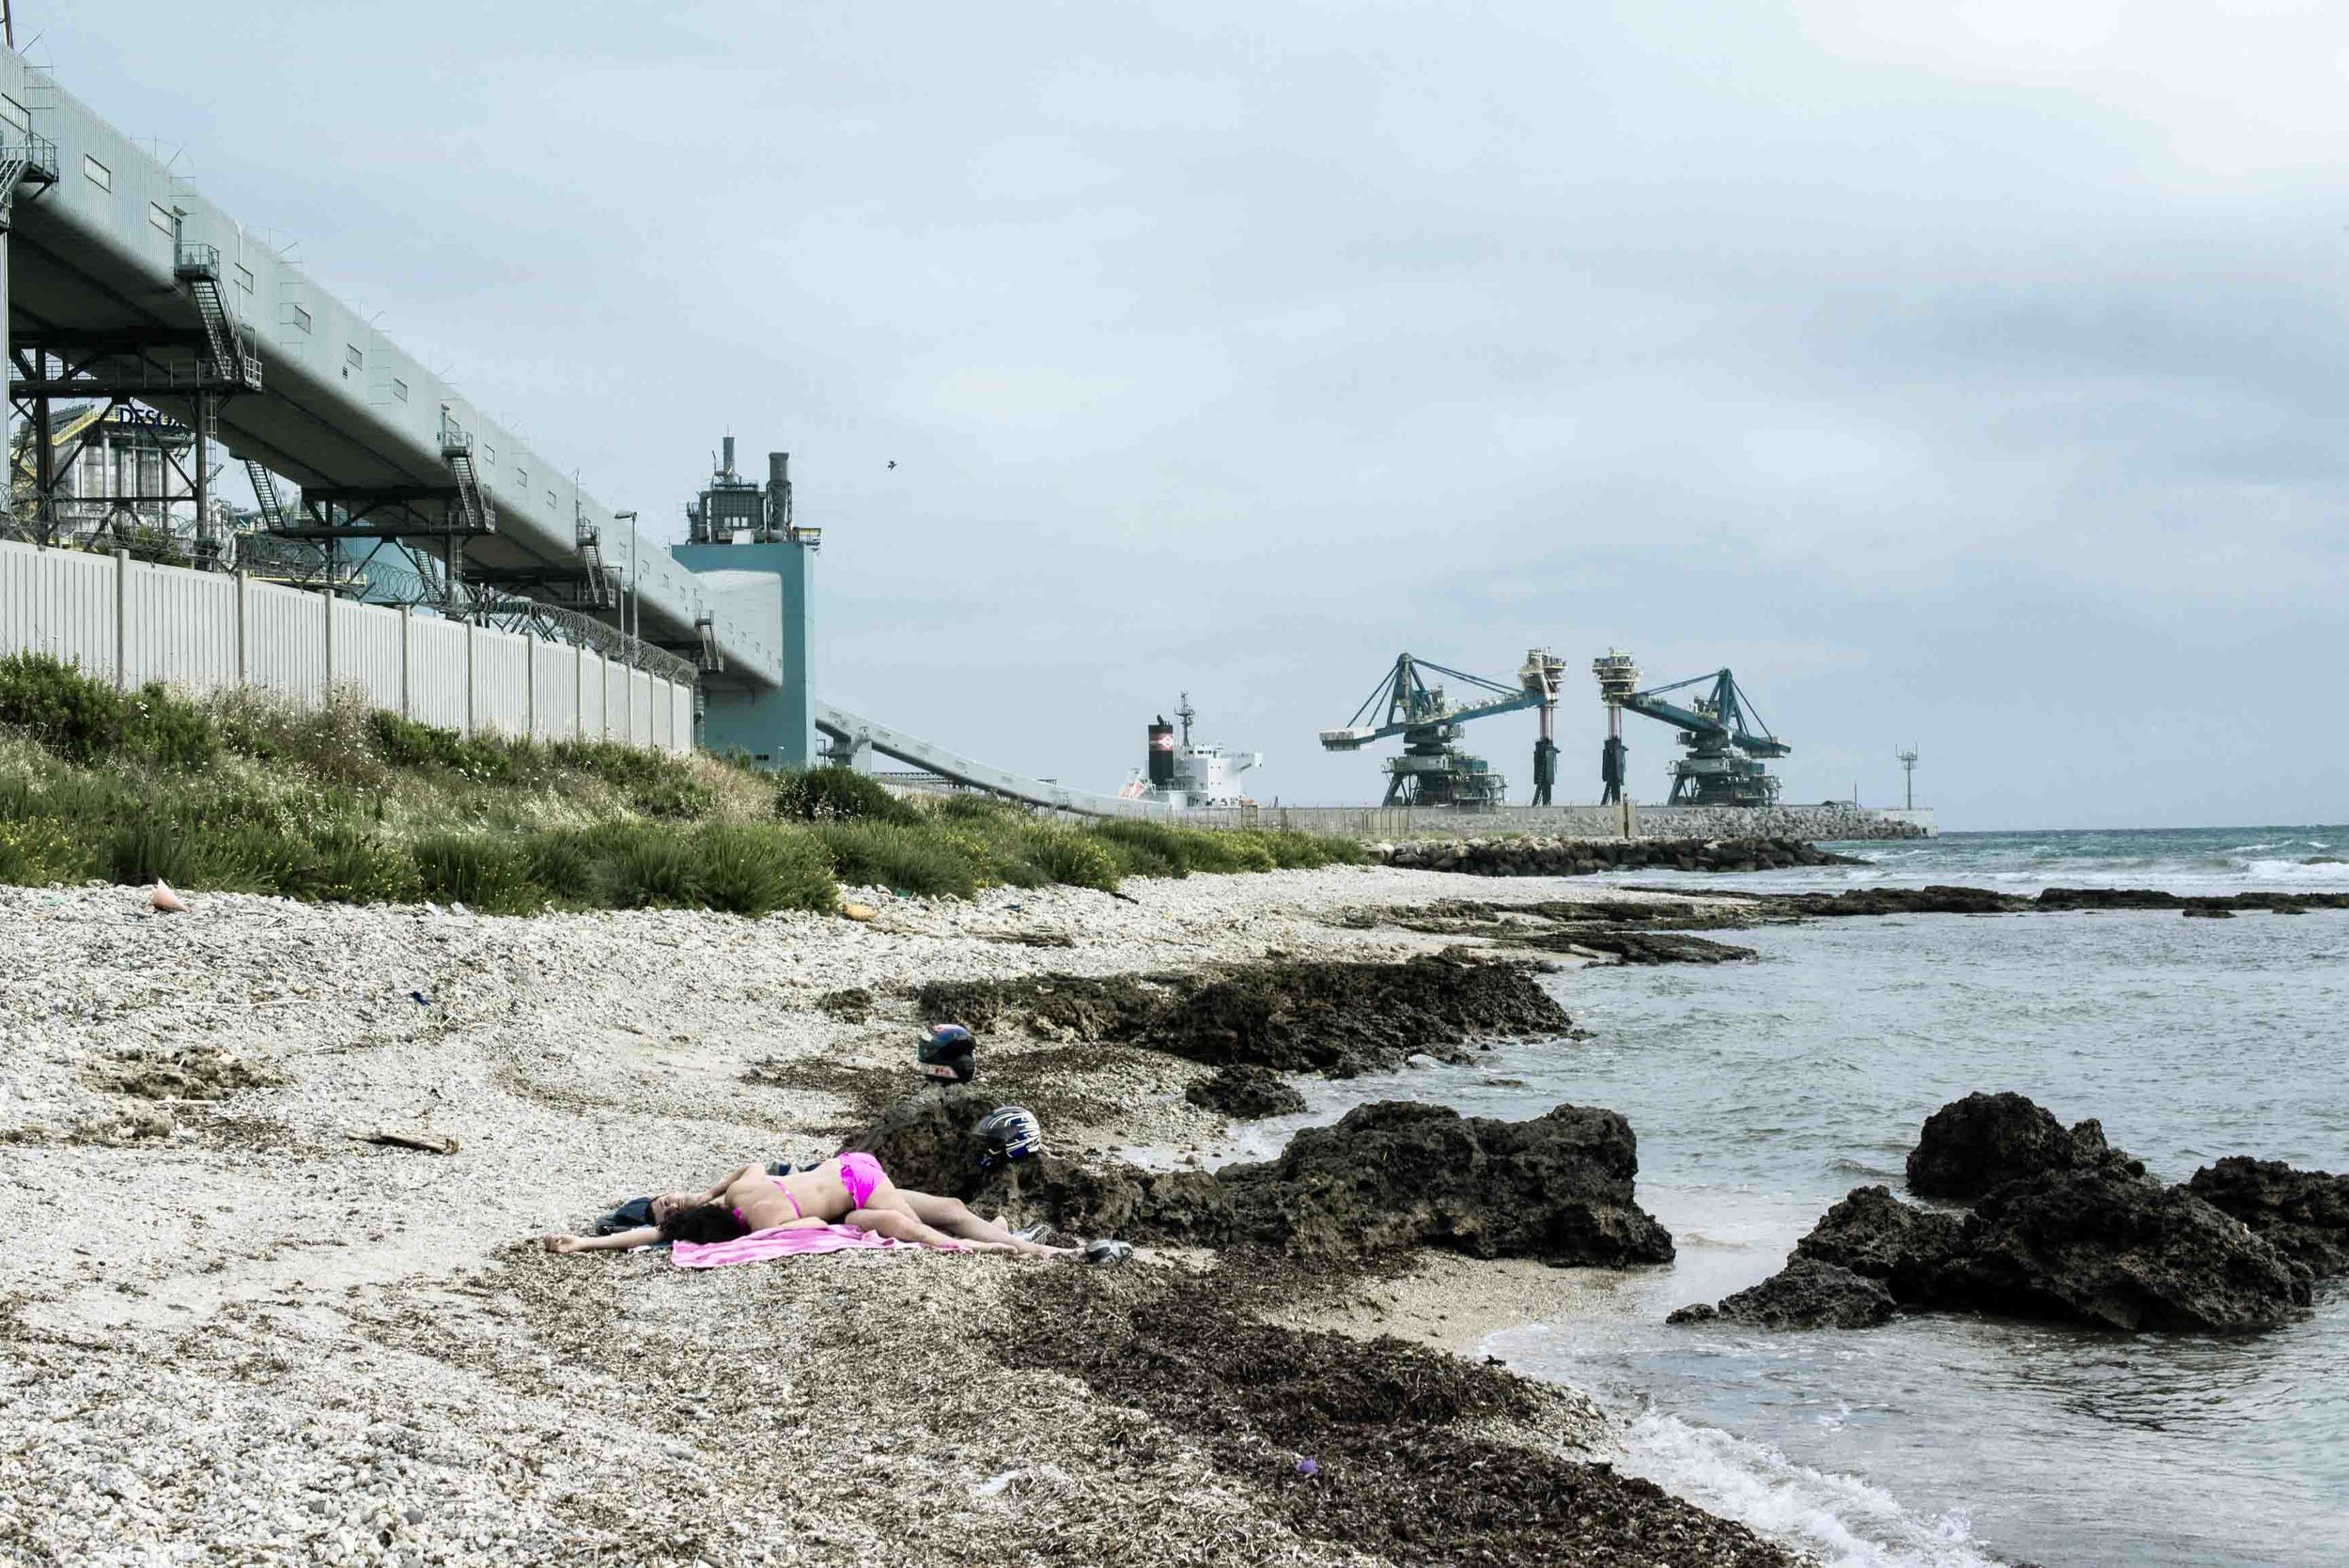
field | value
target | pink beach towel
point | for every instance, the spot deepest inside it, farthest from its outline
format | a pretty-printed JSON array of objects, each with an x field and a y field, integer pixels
[{"x": 786, "y": 1242}]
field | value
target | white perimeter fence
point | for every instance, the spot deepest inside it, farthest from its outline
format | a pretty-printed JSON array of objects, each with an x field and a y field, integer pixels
[{"x": 129, "y": 622}]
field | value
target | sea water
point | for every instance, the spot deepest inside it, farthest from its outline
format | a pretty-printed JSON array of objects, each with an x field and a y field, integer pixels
[{"x": 1762, "y": 1092}]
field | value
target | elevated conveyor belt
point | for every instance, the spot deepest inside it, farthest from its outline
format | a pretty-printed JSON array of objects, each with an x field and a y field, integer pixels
[
  {"x": 96, "y": 260},
  {"x": 857, "y": 734}
]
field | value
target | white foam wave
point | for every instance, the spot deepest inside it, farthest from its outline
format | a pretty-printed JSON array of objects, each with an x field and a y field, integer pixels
[{"x": 1841, "y": 1519}]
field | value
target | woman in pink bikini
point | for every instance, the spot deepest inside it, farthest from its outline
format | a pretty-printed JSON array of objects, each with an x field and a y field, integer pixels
[{"x": 850, "y": 1190}]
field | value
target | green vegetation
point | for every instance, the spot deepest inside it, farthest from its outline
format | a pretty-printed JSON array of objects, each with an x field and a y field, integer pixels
[{"x": 239, "y": 794}]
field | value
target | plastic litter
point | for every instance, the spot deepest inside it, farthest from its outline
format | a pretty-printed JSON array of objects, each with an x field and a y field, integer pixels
[
  {"x": 1307, "y": 1466},
  {"x": 858, "y": 911},
  {"x": 420, "y": 999},
  {"x": 163, "y": 900},
  {"x": 1108, "y": 1251}
]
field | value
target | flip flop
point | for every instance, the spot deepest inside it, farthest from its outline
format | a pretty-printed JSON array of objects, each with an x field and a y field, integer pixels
[{"x": 1107, "y": 1251}]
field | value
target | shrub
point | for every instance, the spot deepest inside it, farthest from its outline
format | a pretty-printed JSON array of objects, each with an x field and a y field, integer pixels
[
  {"x": 73, "y": 716},
  {"x": 653, "y": 867},
  {"x": 569, "y": 867},
  {"x": 835, "y": 794},
  {"x": 752, "y": 870},
  {"x": 1141, "y": 848},
  {"x": 904, "y": 859},
  {"x": 1302, "y": 851},
  {"x": 349, "y": 866},
  {"x": 974, "y": 806},
  {"x": 249, "y": 858},
  {"x": 405, "y": 743},
  {"x": 40, "y": 852},
  {"x": 173, "y": 735},
  {"x": 1065, "y": 855},
  {"x": 154, "y": 847},
  {"x": 475, "y": 869}
]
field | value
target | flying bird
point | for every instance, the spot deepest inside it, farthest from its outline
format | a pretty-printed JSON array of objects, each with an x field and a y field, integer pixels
[{"x": 893, "y": 462}]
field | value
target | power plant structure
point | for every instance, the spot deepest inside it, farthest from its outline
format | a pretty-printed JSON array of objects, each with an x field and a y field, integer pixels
[
  {"x": 1432, "y": 770},
  {"x": 1187, "y": 776},
  {"x": 1724, "y": 764}
]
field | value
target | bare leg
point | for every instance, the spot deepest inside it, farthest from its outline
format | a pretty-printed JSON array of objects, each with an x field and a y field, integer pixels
[
  {"x": 899, "y": 1224},
  {"x": 955, "y": 1218}
]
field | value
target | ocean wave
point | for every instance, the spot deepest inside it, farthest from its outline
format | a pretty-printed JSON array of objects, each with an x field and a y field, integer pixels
[{"x": 1840, "y": 1519}]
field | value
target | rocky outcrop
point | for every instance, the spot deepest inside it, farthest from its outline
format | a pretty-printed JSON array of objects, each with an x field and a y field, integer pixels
[
  {"x": 925, "y": 1142},
  {"x": 2100, "y": 1244},
  {"x": 1934, "y": 900},
  {"x": 1287, "y": 1016},
  {"x": 1587, "y": 857},
  {"x": 1246, "y": 1094},
  {"x": 1971, "y": 1145},
  {"x": 1389, "y": 1175},
  {"x": 1396, "y": 1173},
  {"x": 1874, "y": 1235},
  {"x": 2302, "y": 1214},
  {"x": 1803, "y": 1294},
  {"x": 2063, "y": 1228}
]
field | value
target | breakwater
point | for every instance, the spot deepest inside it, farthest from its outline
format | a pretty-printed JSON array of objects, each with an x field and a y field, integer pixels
[{"x": 1582, "y": 857}]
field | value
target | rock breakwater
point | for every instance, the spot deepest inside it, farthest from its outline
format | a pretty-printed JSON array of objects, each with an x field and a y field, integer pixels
[{"x": 1589, "y": 856}]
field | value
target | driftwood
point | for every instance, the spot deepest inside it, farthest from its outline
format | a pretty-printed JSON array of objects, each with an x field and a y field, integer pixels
[{"x": 408, "y": 1140}]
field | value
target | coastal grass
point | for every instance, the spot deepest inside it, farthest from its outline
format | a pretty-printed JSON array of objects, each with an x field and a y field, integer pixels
[{"x": 236, "y": 792}]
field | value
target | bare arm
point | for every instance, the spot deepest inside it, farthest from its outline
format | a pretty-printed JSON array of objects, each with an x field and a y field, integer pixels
[
  {"x": 726, "y": 1182},
  {"x": 642, "y": 1236}
]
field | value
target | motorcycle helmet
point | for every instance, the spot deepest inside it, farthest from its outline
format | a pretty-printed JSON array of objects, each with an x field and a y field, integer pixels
[{"x": 947, "y": 1053}]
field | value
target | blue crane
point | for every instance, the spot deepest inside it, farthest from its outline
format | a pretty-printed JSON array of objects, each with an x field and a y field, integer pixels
[
  {"x": 1432, "y": 770},
  {"x": 1723, "y": 767}
]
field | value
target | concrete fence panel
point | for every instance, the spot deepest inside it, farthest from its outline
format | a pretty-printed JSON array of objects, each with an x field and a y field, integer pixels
[
  {"x": 60, "y": 602},
  {"x": 615, "y": 719},
  {"x": 285, "y": 639},
  {"x": 591, "y": 695},
  {"x": 129, "y": 622},
  {"x": 554, "y": 693},
  {"x": 437, "y": 672},
  {"x": 501, "y": 674},
  {"x": 178, "y": 626},
  {"x": 368, "y": 654},
  {"x": 639, "y": 708}
]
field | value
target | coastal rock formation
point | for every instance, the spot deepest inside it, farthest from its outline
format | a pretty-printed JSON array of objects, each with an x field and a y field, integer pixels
[
  {"x": 1586, "y": 857},
  {"x": 1804, "y": 1295},
  {"x": 2302, "y": 1214},
  {"x": 1246, "y": 1094},
  {"x": 925, "y": 1142},
  {"x": 2066, "y": 1227},
  {"x": 1874, "y": 1235},
  {"x": 2102, "y": 1245},
  {"x": 1389, "y": 1175},
  {"x": 1972, "y": 1145},
  {"x": 1558, "y": 1188},
  {"x": 1288, "y": 1016},
  {"x": 1935, "y": 900}
]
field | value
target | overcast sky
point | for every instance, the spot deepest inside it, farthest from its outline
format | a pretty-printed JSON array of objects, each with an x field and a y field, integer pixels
[{"x": 1979, "y": 383}]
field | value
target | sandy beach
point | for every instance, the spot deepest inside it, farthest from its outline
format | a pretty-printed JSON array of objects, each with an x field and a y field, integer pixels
[{"x": 235, "y": 1331}]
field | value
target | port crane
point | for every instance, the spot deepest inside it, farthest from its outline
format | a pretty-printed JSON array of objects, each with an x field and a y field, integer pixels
[
  {"x": 1432, "y": 770},
  {"x": 1724, "y": 764}
]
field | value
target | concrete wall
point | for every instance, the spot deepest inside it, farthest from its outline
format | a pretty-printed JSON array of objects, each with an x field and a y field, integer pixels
[
  {"x": 129, "y": 623},
  {"x": 1823, "y": 824}
]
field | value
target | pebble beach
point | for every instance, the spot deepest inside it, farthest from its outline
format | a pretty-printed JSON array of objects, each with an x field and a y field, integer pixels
[{"x": 237, "y": 1328}]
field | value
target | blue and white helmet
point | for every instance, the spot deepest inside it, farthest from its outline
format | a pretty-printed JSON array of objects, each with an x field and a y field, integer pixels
[{"x": 1009, "y": 1133}]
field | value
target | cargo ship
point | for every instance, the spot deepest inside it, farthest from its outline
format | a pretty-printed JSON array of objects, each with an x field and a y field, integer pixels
[{"x": 1189, "y": 776}]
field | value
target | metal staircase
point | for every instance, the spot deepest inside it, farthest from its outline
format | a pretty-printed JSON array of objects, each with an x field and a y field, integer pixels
[
  {"x": 234, "y": 357},
  {"x": 474, "y": 512},
  {"x": 600, "y": 588},
  {"x": 274, "y": 517}
]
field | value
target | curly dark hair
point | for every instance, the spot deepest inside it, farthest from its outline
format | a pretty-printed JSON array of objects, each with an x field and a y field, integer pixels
[{"x": 707, "y": 1223}]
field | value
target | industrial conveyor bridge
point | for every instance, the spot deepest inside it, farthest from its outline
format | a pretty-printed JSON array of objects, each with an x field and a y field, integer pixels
[{"x": 122, "y": 280}]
